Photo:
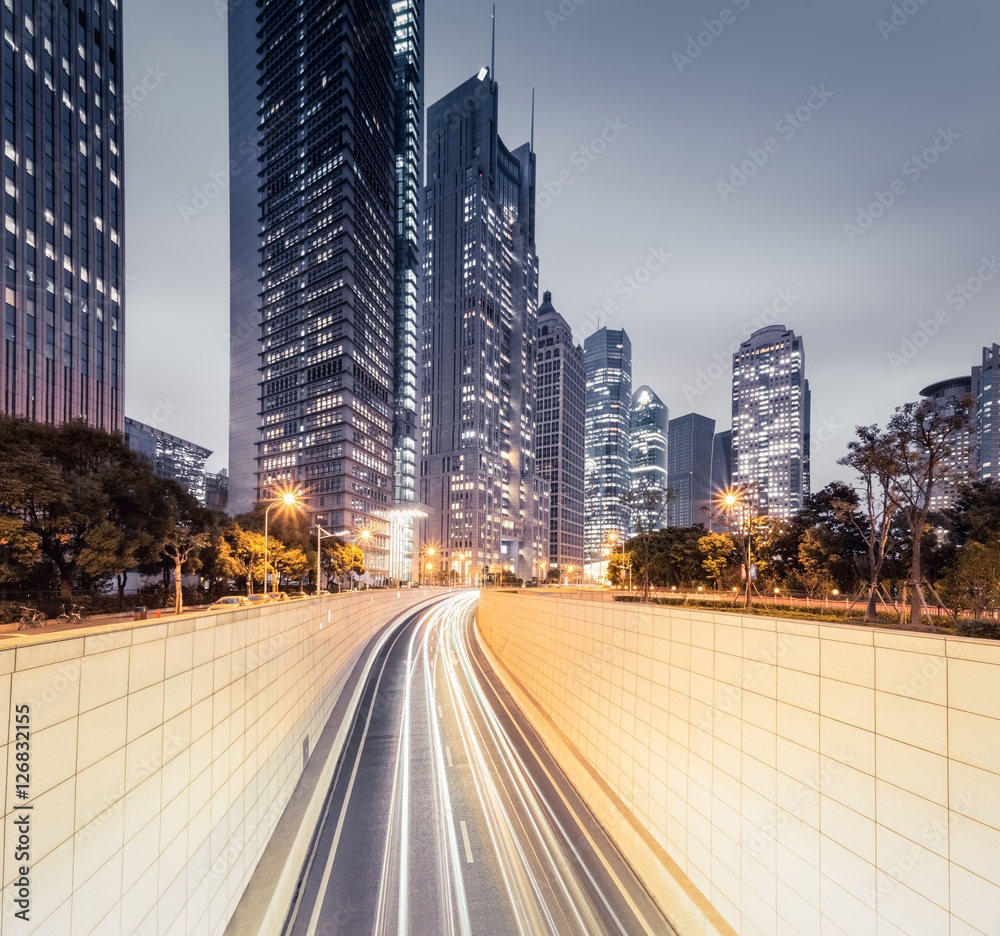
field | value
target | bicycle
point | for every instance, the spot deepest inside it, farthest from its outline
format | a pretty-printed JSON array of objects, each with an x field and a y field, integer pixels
[
  {"x": 73, "y": 617},
  {"x": 31, "y": 617}
]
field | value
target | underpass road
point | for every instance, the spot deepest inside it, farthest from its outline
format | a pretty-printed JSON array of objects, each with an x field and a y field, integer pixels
[{"x": 447, "y": 816}]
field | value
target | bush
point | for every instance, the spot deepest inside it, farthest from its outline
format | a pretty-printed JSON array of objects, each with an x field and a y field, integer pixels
[{"x": 983, "y": 629}]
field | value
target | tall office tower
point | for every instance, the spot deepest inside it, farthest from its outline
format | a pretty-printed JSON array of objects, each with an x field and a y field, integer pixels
[
  {"x": 409, "y": 31},
  {"x": 722, "y": 471},
  {"x": 986, "y": 388},
  {"x": 648, "y": 452},
  {"x": 607, "y": 357},
  {"x": 63, "y": 353},
  {"x": 771, "y": 406},
  {"x": 172, "y": 458},
  {"x": 722, "y": 461},
  {"x": 487, "y": 504},
  {"x": 562, "y": 397},
  {"x": 689, "y": 470},
  {"x": 951, "y": 397},
  {"x": 318, "y": 195}
]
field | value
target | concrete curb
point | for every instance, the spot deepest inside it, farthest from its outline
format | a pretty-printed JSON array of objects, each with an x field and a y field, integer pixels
[
  {"x": 264, "y": 905},
  {"x": 687, "y": 909}
]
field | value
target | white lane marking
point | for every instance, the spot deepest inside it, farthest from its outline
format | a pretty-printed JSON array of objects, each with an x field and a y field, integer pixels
[
  {"x": 447, "y": 752},
  {"x": 440, "y": 713},
  {"x": 325, "y": 882},
  {"x": 468, "y": 847}
]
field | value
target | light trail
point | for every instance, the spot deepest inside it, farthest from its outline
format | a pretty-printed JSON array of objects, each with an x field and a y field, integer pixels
[{"x": 453, "y": 817}]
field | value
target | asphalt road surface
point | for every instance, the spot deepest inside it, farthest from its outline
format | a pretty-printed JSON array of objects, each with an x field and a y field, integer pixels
[{"x": 447, "y": 817}]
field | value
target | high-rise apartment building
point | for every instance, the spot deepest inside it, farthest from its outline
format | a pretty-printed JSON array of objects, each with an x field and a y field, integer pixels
[
  {"x": 172, "y": 458},
  {"x": 648, "y": 453},
  {"x": 689, "y": 470},
  {"x": 607, "y": 356},
  {"x": 949, "y": 398},
  {"x": 487, "y": 504},
  {"x": 63, "y": 347},
  {"x": 771, "y": 406},
  {"x": 986, "y": 389},
  {"x": 562, "y": 398},
  {"x": 324, "y": 161}
]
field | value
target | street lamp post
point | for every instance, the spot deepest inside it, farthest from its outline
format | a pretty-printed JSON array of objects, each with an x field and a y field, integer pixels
[
  {"x": 288, "y": 499},
  {"x": 320, "y": 534}
]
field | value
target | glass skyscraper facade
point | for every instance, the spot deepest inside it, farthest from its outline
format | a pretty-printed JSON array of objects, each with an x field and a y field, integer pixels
[
  {"x": 771, "y": 406},
  {"x": 562, "y": 398},
  {"x": 487, "y": 504},
  {"x": 986, "y": 388},
  {"x": 648, "y": 451},
  {"x": 171, "y": 457},
  {"x": 63, "y": 347},
  {"x": 607, "y": 356},
  {"x": 689, "y": 470},
  {"x": 325, "y": 103}
]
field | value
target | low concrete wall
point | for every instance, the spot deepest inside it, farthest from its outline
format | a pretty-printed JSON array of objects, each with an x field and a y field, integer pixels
[
  {"x": 797, "y": 778},
  {"x": 160, "y": 757}
]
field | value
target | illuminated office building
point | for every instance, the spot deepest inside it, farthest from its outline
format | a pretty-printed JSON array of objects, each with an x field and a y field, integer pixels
[
  {"x": 487, "y": 503},
  {"x": 62, "y": 355},
  {"x": 562, "y": 397},
  {"x": 325, "y": 105},
  {"x": 986, "y": 388},
  {"x": 771, "y": 405},
  {"x": 172, "y": 458},
  {"x": 648, "y": 453},
  {"x": 607, "y": 356}
]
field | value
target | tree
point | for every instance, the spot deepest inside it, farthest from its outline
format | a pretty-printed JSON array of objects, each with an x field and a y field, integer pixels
[
  {"x": 924, "y": 436},
  {"x": 245, "y": 555},
  {"x": 875, "y": 457},
  {"x": 720, "y": 554},
  {"x": 646, "y": 509},
  {"x": 341, "y": 559},
  {"x": 290, "y": 564},
  {"x": 974, "y": 583},
  {"x": 818, "y": 557},
  {"x": 739, "y": 509},
  {"x": 181, "y": 547}
]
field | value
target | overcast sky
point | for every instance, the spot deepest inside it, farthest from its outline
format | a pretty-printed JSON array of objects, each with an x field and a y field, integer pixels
[{"x": 703, "y": 167}]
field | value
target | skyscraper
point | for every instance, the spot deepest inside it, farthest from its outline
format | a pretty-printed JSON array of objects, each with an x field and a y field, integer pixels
[
  {"x": 771, "y": 406},
  {"x": 171, "y": 457},
  {"x": 562, "y": 397},
  {"x": 62, "y": 356},
  {"x": 689, "y": 470},
  {"x": 607, "y": 356},
  {"x": 648, "y": 451},
  {"x": 488, "y": 505},
  {"x": 722, "y": 470},
  {"x": 986, "y": 388},
  {"x": 949, "y": 398},
  {"x": 324, "y": 162}
]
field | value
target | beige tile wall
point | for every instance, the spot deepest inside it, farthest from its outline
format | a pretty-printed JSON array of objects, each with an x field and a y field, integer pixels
[
  {"x": 811, "y": 779},
  {"x": 162, "y": 756}
]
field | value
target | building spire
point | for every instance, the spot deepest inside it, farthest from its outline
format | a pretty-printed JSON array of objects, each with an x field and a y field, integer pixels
[
  {"x": 493, "y": 51},
  {"x": 532, "y": 120}
]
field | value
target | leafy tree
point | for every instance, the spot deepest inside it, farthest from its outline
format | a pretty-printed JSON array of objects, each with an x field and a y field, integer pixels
[
  {"x": 818, "y": 557},
  {"x": 646, "y": 509},
  {"x": 181, "y": 547},
  {"x": 341, "y": 560},
  {"x": 245, "y": 555},
  {"x": 720, "y": 554},
  {"x": 974, "y": 515},
  {"x": 925, "y": 435},
  {"x": 876, "y": 459},
  {"x": 974, "y": 583}
]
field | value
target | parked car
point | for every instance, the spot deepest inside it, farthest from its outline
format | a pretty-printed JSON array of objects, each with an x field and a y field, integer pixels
[
  {"x": 258, "y": 600},
  {"x": 227, "y": 603},
  {"x": 278, "y": 596},
  {"x": 297, "y": 595}
]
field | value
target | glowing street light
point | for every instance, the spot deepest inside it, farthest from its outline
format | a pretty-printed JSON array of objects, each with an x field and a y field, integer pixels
[{"x": 287, "y": 499}]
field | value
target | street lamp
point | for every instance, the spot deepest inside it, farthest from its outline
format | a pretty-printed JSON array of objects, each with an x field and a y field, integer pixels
[
  {"x": 320, "y": 534},
  {"x": 739, "y": 503},
  {"x": 288, "y": 499},
  {"x": 365, "y": 536},
  {"x": 429, "y": 552}
]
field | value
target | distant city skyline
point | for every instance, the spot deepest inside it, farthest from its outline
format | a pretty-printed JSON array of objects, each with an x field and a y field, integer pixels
[{"x": 606, "y": 218}]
